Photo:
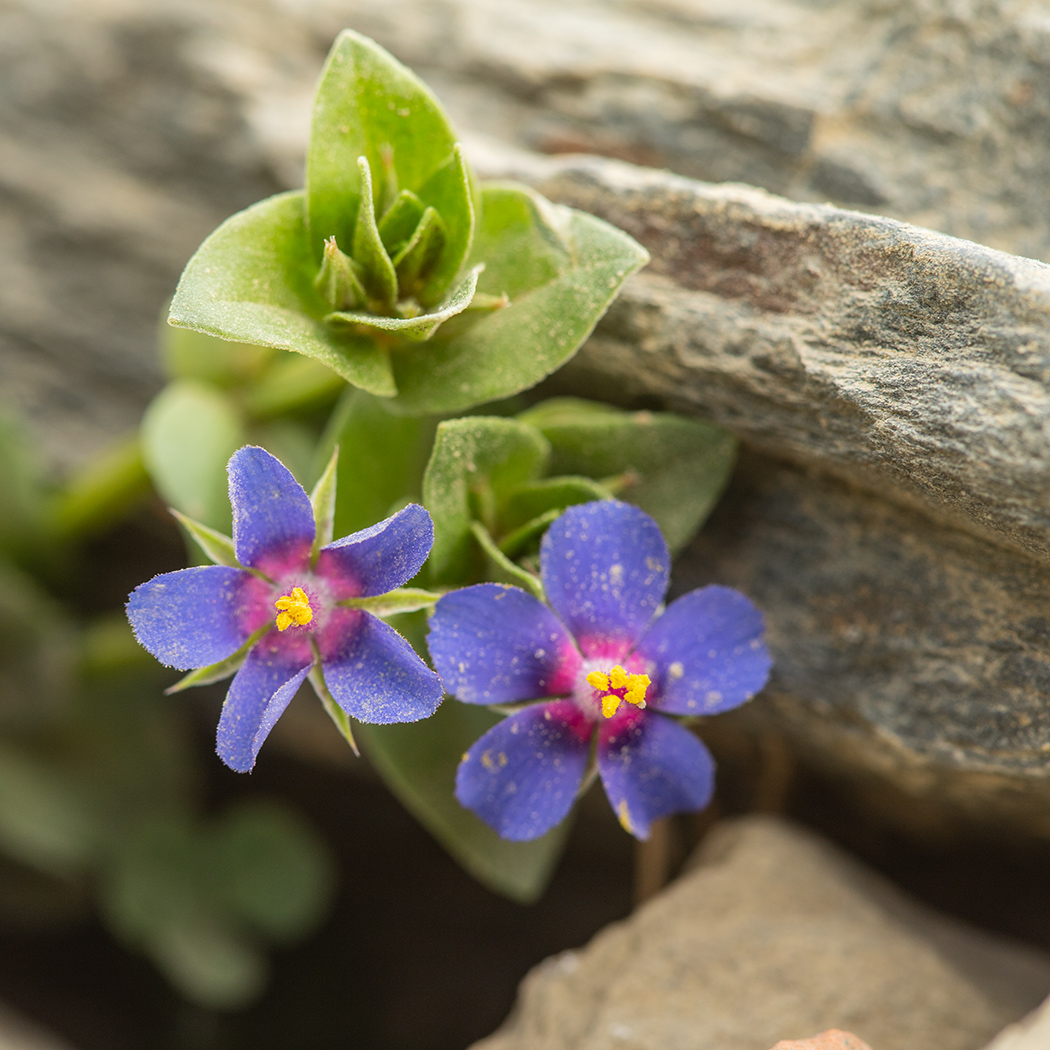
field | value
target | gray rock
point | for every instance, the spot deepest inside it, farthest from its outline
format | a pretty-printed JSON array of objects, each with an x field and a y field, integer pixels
[{"x": 775, "y": 935}]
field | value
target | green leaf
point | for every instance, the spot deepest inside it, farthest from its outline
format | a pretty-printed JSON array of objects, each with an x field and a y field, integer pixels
[
  {"x": 216, "y": 545},
  {"x": 189, "y": 433},
  {"x": 403, "y": 600},
  {"x": 533, "y": 500},
  {"x": 418, "y": 761},
  {"x": 252, "y": 281},
  {"x": 450, "y": 193},
  {"x": 475, "y": 464},
  {"x": 338, "y": 281},
  {"x": 676, "y": 467},
  {"x": 368, "y": 105},
  {"x": 322, "y": 499},
  {"x": 376, "y": 269},
  {"x": 194, "y": 355},
  {"x": 45, "y": 820},
  {"x": 423, "y": 326},
  {"x": 382, "y": 457},
  {"x": 271, "y": 870},
  {"x": 400, "y": 221},
  {"x": 418, "y": 255},
  {"x": 560, "y": 268},
  {"x": 99, "y": 493},
  {"x": 291, "y": 382}
]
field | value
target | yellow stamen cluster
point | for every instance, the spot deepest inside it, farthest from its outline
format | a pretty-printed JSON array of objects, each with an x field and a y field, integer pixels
[
  {"x": 293, "y": 608},
  {"x": 617, "y": 679}
]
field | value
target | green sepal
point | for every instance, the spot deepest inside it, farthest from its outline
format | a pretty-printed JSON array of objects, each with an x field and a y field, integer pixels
[
  {"x": 423, "y": 326},
  {"x": 418, "y": 761},
  {"x": 560, "y": 269},
  {"x": 673, "y": 467},
  {"x": 337, "y": 279},
  {"x": 216, "y": 545},
  {"x": 328, "y": 702},
  {"x": 400, "y": 221},
  {"x": 322, "y": 499},
  {"x": 417, "y": 256},
  {"x": 402, "y": 600},
  {"x": 475, "y": 464},
  {"x": 252, "y": 281},
  {"x": 377, "y": 271},
  {"x": 368, "y": 105},
  {"x": 503, "y": 566},
  {"x": 218, "y": 671}
]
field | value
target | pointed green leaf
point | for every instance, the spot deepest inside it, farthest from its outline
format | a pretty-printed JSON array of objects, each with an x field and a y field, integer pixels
[
  {"x": 337, "y": 279},
  {"x": 422, "y": 327},
  {"x": 322, "y": 499},
  {"x": 475, "y": 464},
  {"x": 216, "y": 545},
  {"x": 418, "y": 255},
  {"x": 189, "y": 433},
  {"x": 369, "y": 105},
  {"x": 382, "y": 457},
  {"x": 676, "y": 467},
  {"x": 560, "y": 268},
  {"x": 418, "y": 761},
  {"x": 252, "y": 281},
  {"x": 403, "y": 600},
  {"x": 450, "y": 193},
  {"x": 400, "y": 221},
  {"x": 376, "y": 269}
]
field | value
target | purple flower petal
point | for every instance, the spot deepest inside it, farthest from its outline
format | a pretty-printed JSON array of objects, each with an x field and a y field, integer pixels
[
  {"x": 605, "y": 568},
  {"x": 384, "y": 556},
  {"x": 189, "y": 618},
  {"x": 494, "y": 645},
  {"x": 708, "y": 652},
  {"x": 522, "y": 776},
  {"x": 652, "y": 767},
  {"x": 272, "y": 516},
  {"x": 258, "y": 695},
  {"x": 377, "y": 676}
]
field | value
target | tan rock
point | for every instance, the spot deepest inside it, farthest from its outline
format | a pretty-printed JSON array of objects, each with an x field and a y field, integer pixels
[
  {"x": 774, "y": 935},
  {"x": 832, "y": 1039}
]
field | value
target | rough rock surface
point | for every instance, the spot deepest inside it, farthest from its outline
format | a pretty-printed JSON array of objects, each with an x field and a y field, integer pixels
[
  {"x": 775, "y": 935},
  {"x": 901, "y": 555},
  {"x": 832, "y": 1039}
]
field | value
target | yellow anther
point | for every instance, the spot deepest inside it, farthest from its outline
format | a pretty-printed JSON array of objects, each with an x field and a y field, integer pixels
[
  {"x": 618, "y": 686},
  {"x": 597, "y": 680},
  {"x": 293, "y": 608}
]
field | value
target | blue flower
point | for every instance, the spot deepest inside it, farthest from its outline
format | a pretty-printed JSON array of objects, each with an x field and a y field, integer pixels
[
  {"x": 604, "y": 665},
  {"x": 288, "y": 600}
]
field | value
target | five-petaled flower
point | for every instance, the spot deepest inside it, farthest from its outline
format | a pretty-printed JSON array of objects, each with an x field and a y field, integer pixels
[
  {"x": 290, "y": 599},
  {"x": 602, "y": 666}
]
